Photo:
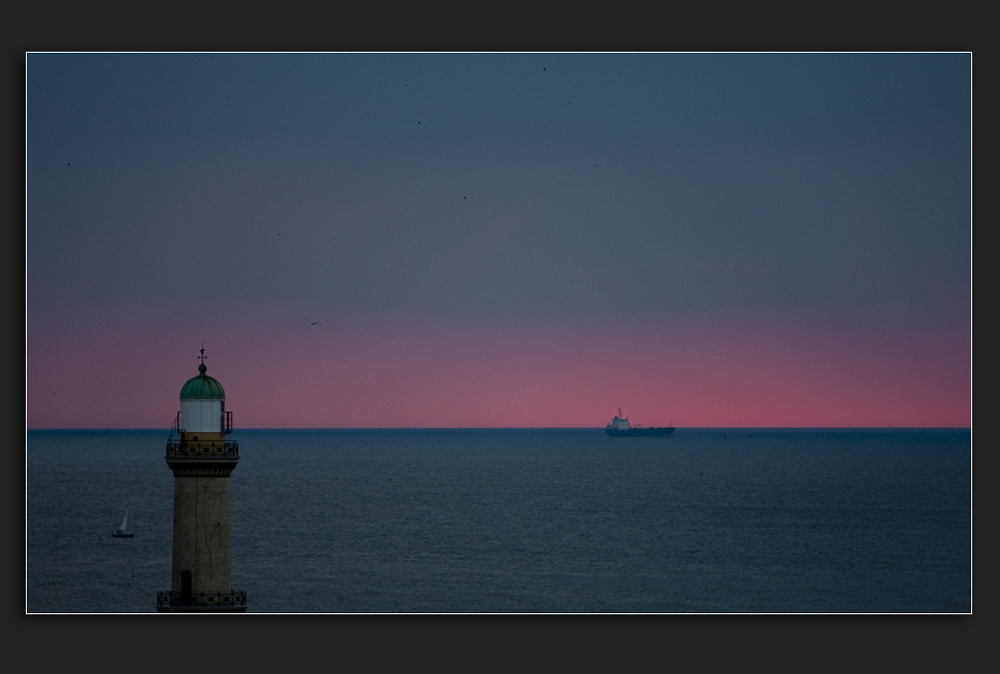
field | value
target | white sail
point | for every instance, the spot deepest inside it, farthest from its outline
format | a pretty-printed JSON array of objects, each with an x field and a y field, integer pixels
[{"x": 124, "y": 526}]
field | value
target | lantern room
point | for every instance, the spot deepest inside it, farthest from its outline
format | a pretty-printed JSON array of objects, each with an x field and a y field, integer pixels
[{"x": 203, "y": 406}]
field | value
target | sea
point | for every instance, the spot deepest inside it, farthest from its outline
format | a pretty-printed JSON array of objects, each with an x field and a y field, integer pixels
[{"x": 531, "y": 521}]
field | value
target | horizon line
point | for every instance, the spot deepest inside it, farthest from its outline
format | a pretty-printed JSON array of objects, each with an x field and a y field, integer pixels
[{"x": 507, "y": 428}]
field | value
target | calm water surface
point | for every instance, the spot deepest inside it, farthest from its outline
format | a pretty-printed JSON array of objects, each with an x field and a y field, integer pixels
[{"x": 455, "y": 521}]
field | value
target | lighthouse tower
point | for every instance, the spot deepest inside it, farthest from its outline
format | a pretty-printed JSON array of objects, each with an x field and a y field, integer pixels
[{"x": 202, "y": 460}]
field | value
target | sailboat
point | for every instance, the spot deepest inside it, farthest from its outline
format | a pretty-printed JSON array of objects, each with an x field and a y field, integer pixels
[{"x": 122, "y": 531}]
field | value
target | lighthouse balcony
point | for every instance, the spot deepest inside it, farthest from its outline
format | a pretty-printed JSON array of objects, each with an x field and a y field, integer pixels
[
  {"x": 201, "y": 602},
  {"x": 209, "y": 449}
]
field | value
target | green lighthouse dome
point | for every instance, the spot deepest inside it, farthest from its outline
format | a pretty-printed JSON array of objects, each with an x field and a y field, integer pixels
[{"x": 202, "y": 387}]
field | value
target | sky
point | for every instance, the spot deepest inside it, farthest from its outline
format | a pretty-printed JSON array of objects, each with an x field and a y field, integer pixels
[{"x": 408, "y": 240}]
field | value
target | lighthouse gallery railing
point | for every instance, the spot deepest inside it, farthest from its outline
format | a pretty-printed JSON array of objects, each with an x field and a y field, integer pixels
[
  {"x": 201, "y": 599},
  {"x": 208, "y": 448}
]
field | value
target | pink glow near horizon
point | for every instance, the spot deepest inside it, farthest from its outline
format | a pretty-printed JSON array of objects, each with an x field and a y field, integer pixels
[{"x": 417, "y": 377}]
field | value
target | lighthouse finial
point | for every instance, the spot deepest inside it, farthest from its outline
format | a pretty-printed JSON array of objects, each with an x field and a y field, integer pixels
[{"x": 202, "y": 368}]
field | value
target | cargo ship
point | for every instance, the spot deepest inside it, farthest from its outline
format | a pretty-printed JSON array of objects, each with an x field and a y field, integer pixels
[{"x": 620, "y": 427}]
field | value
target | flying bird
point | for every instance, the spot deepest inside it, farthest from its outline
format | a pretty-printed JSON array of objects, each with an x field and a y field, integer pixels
[{"x": 312, "y": 322}]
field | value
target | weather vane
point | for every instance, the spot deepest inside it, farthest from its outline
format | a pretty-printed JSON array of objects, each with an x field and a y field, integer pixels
[{"x": 202, "y": 357}]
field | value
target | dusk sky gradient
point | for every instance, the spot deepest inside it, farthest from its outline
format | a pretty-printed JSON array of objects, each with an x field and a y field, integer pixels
[{"x": 500, "y": 240}]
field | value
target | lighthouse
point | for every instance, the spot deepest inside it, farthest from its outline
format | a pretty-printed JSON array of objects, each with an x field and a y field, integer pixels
[{"x": 202, "y": 461}]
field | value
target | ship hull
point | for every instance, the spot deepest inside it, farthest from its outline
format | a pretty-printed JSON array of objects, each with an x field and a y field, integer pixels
[{"x": 638, "y": 432}]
